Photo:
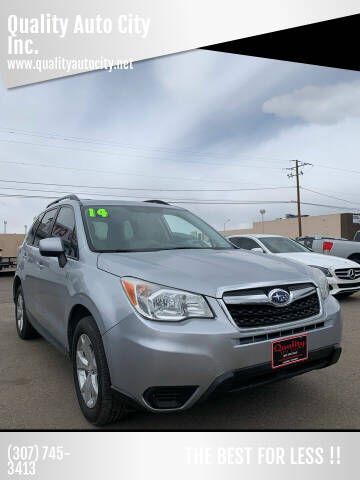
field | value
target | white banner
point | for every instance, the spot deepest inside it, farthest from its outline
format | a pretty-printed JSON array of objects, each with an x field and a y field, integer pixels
[
  {"x": 175, "y": 455},
  {"x": 41, "y": 40}
]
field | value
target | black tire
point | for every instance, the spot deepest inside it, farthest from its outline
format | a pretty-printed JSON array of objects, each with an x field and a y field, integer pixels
[
  {"x": 107, "y": 408},
  {"x": 355, "y": 258},
  {"x": 24, "y": 329}
]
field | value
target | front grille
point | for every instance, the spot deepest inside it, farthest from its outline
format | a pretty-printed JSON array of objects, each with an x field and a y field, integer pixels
[
  {"x": 349, "y": 285},
  {"x": 254, "y": 315},
  {"x": 262, "y": 337},
  {"x": 343, "y": 273}
]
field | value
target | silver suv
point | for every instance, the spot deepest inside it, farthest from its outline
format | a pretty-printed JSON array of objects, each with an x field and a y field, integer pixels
[{"x": 159, "y": 311}]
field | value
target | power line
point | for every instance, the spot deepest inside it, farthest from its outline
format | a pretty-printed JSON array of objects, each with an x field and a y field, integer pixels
[
  {"x": 196, "y": 202},
  {"x": 330, "y": 196},
  {"x": 52, "y": 136},
  {"x": 143, "y": 189},
  {"x": 117, "y": 154},
  {"x": 107, "y": 172},
  {"x": 335, "y": 168},
  {"x": 105, "y": 194},
  {"x": 269, "y": 202}
]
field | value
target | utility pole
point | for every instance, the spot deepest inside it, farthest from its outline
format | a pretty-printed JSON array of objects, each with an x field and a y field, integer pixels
[{"x": 298, "y": 172}]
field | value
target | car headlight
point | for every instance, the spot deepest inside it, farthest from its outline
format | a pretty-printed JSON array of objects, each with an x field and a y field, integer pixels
[
  {"x": 162, "y": 303},
  {"x": 321, "y": 281},
  {"x": 326, "y": 271}
]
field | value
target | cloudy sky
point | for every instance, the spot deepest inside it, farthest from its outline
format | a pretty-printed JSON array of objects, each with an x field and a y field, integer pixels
[{"x": 181, "y": 126}]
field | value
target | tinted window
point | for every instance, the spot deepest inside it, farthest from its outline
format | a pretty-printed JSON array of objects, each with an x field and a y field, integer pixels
[
  {"x": 282, "y": 245},
  {"x": 243, "y": 242},
  {"x": 308, "y": 242},
  {"x": 64, "y": 227},
  {"x": 31, "y": 232},
  {"x": 146, "y": 228},
  {"x": 357, "y": 236},
  {"x": 44, "y": 228}
]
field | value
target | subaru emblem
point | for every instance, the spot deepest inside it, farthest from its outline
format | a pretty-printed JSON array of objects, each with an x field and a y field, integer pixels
[{"x": 279, "y": 297}]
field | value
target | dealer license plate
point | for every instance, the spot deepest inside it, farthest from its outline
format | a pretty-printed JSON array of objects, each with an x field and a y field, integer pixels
[{"x": 289, "y": 350}]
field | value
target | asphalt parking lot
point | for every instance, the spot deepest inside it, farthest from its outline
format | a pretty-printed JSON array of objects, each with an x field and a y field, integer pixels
[{"x": 36, "y": 389}]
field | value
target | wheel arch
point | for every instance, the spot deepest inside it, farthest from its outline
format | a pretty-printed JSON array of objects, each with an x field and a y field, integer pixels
[
  {"x": 77, "y": 312},
  {"x": 16, "y": 285},
  {"x": 355, "y": 257},
  {"x": 82, "y": 307}
]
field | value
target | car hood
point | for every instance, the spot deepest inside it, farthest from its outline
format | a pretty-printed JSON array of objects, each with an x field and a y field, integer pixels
[
  {"x": 319, "y": 259},
  {"x": 205, "y": 271}
]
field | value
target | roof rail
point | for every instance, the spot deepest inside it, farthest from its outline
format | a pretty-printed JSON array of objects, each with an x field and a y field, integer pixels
[
  {"x": 69, "y": 197},
  {"x": 159, "y": 202}
]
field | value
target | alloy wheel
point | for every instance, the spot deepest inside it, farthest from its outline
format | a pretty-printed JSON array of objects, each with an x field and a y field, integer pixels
[
  {"x": 20, "y": 312},
  {"x": 87, "y": 370}
]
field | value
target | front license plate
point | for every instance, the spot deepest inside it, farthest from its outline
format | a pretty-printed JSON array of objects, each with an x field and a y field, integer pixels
[{"x": 289, "y": 350}]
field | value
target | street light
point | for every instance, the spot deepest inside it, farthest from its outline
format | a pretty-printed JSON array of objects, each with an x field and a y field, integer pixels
[
  {"x": 227, "y": 221},
  {"x": 5, "y": 223},
  {"x": 262, "y": 213}
]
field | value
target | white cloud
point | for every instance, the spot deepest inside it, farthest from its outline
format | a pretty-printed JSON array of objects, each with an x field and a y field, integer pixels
[{"x": 321, "y": 105}]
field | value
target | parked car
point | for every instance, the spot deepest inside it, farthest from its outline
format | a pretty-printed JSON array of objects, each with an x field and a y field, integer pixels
[
  {"x": 343, "y": 275},
  {"x": 339, "y": 247},
  {"x": 158, "y": 310}
]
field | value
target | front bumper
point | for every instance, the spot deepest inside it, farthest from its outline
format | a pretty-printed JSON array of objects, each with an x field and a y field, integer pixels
[
  {"x": 144, "y": 355},
  {"x": 338, "y": 285}
]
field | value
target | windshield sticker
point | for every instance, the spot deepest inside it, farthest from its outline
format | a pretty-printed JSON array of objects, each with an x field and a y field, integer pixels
[{"x": 100, "y": 212}]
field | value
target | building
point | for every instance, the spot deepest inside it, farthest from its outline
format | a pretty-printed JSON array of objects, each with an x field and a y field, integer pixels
[
  {"x": 336, "y": 225},
  {"x": 9, "y": 243}
]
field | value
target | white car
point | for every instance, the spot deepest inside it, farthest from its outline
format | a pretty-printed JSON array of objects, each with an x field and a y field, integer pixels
[{"x": 343, "y": 275}]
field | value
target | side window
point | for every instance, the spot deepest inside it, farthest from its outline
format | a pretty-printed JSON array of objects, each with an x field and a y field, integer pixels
[
  {"x": 308, "y": 242},
  {"x": 31, "y": 233},
  {"x": 45, "y": 225},
  {"x": 246, "y": 243},
  {"x": 64, "y": 227},
  {"x": 237, "y": 241},
  {"x": 249, "y": 244}
]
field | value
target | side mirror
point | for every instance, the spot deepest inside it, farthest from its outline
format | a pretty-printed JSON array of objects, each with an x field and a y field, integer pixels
[
  {"x": 53, "y": 247},
  {"x": 257, "y": 249}
]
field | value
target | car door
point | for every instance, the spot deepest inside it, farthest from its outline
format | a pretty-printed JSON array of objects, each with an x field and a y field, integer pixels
[
  {"x": 56, "y": 281},
  {"x": 26, "y": 264},
  {"x": 33, "y": 283}
]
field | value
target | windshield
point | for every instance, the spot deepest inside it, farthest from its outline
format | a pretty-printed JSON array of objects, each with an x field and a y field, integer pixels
[
  {"x": 124, "y": 228},
  {"x": 282, "y": 245}
]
